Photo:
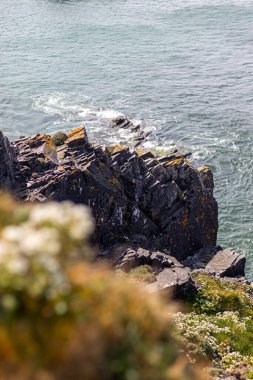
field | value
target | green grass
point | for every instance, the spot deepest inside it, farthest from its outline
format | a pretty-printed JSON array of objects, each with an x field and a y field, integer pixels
[
  {"x": 142, "y": 273},
  {"x": 218, "y": 295}
]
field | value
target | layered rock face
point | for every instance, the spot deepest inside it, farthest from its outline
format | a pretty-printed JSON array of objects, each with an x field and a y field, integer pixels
[{"x": 160, "y": 203}]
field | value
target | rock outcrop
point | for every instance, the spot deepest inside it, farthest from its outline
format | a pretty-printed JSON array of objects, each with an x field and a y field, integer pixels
[
  {"x": 136, "y": 131},
  {"x": 160, "y": 203},
  {"x": 150, "y": 210},
  {"x": 171, "y": 275},
  {"x": 217, "y": 261}
]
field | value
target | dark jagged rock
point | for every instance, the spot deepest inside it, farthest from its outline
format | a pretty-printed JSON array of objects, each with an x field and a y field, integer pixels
[
  {"x": 162, "y": 204},
  {"x": 126, "y": 257},
  {"x": 149, "y": 210},
  {"x": 138, "y": 134}
]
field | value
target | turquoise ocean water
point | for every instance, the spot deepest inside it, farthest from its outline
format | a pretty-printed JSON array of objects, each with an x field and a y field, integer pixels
[{"x": 182, "y": 67}]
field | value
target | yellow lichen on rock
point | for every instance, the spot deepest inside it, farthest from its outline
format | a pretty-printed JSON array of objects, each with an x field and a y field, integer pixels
[
  {"x": 114, "y": 181},
  {"x": 49, "y": 149},
  {"x": 140, "y": 151},
  {"x": 175, "y": 161},
  {"x": 203, "y": 169},
  {"x": 117, "y": 148},
  {"x": 77, "y": 133}
]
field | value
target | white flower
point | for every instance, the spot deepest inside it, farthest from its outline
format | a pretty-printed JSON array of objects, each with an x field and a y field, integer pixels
[
  {"x": 75, "y": 218},
  {"x": 32, "y": 253},
  {"x": 18, "y": 266}
]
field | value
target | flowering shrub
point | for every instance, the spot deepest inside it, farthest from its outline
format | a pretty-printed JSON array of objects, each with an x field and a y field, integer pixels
[
  {"x": 62, "y": 317},
  {"x": 34, "y": 253},
  {"x": 220, "y": 325}
]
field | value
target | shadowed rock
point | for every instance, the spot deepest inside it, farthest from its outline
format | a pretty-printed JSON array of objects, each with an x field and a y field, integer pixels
[{"x": 171, "y": 275}]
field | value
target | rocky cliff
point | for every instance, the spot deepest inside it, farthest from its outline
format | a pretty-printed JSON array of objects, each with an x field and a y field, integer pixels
[
  {"x": 161, "y": 203},
  {"x": 149, "y": 209}
]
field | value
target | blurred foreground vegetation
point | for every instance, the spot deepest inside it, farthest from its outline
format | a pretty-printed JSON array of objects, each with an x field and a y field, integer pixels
[{"x": 62, "y": 317}]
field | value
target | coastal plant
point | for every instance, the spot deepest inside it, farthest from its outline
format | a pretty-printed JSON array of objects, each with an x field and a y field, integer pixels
[
  {"x": 219, "y": 325},
  {"x": 42, "y": 161},
  {"x": 59, "y": 138},
  {"x": 217, "y": 295},
  {"x": 64, "y": 317}
]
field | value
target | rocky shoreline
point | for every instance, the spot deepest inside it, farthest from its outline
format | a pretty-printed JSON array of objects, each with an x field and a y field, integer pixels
[{"x": 150, "y": 209}]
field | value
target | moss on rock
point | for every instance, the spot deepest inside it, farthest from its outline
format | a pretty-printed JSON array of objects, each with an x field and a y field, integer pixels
[{"x": 59, "y": 138}]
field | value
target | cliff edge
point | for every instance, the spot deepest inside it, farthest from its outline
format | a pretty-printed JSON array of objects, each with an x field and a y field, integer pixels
[{"x": 149, "y": 210}]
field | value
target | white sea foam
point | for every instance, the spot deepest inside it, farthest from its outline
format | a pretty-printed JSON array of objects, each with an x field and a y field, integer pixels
[
  {"x": 60, "y": 103},
  {"x": 108, "y": 114},
  {"x": 65, "y": 104}
]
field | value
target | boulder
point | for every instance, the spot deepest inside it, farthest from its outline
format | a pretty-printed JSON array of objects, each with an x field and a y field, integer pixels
[
  {"x": 227, "y": 263},
  {"x": 217, "y": 261},
  {"x": 172, "y": 281}
]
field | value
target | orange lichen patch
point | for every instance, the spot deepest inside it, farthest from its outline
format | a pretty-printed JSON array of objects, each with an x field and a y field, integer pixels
[
  {"x": 49, "y": 149},
  {"x": 49, "y": 144},
  {"x": 117, "y": 148},
  {"x": 39, "y": 136},
  {"x": 77, "y": 133}
]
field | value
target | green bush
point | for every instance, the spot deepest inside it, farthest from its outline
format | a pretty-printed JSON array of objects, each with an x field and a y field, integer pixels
[{"x": 59, "y": 138}]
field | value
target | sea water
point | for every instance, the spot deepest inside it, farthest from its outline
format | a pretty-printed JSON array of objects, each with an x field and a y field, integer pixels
[{"x": 184, "y": 68}]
